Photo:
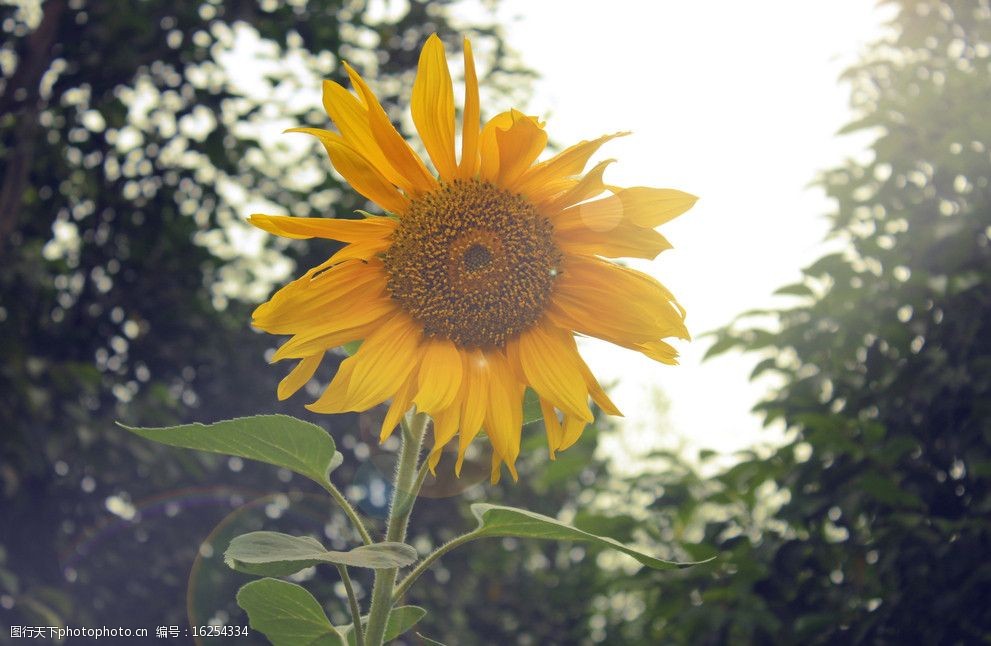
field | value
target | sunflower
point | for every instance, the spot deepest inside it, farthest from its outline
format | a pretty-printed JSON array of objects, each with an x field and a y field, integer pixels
[{"x": 473, "y": 284}]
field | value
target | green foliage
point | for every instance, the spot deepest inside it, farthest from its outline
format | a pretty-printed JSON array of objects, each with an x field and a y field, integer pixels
[
  {"x": 498, "y": 520},
  {"x": 278, "y": 440},
  {"x": 287, "y": 614},
  {"x": 401, "y": 619},
  {"x": 509, "y": 589},
  {"x": 277, "y": 554},
  {"x": 531, "y": 406}
]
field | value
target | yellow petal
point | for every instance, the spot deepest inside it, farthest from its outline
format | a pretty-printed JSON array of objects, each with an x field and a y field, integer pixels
[
  {"x": 623, "y": 306},
  {"x": 322, "y": 335},
  {"x": 599, "y": 228},
  {"x": 440, "y": 376},
  {"x": 401, "y": 403},
  {"x": 336, "y": 391},
  {"x": 298, "y": 376},
  {"x": 496, "y": 468},
  {"x": 573, "y": 427},
  {"x": 624, "y": 242},
  {"x": 504, "y": 415},
  {"x": 350, "y": 116},
  {"x": 519, "y": 147},
  {"x": 470, "y": 119},
  {"x": 432, "y": 105},
  {"x": 538, "y": 181},
  {"x": 366, "y": 250},
  {"x": 376, "y": 371},
  {"x": 383, "y": 362},
  {"x": 512, "y": 350},
  {"x": 445, "y": 428},
  {"x": 652, "y": 207},
  {"x": 599, "y": 395},
  {"x": 329, "y": 228},
  {"x": 489, "y": 146},
  {"x": 334, "y": 297},
  {"x": 298, "y": 288},
  {"x": 358, "y": 171},
  {"x": 474, "y": 401},
  {"x": 573, "y": 192},
  {"x": 591, "y": 383},
  {"x": 659, "y": 351},
  {"x": 550, "y": 364},
  {"x": 320, "y": 311},
  {"x": 601, "y": 216},
  {"x": 300, "y": 347},
  {"x": 552, "y": 426},
  {"x": 390, "y": 141}
]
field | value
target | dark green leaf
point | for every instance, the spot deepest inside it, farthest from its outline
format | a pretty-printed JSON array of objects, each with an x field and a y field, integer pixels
[
  {"x": 496, "y": 520},
  {"x": 886, "y": 491},
  {"x": 287, "y": 614},
  {"x": 281, "y": 440}
]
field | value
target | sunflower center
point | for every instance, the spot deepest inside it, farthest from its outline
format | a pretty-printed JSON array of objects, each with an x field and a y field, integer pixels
[
  {"x": 476, "y": 257},
  {"x": 472, "y": 263}
]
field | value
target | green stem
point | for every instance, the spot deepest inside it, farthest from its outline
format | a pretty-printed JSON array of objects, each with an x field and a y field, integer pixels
[
  {"x": 421, "y": 475},
  {"x": 359, "y": 637},
  {"x": 403, "y": 495},
  {"x": 427, "y": 562},
  {"x": 339, "y": 498}
]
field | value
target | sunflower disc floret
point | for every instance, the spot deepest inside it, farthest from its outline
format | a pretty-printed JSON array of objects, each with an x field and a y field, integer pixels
[{"x": 472, "y": 263}]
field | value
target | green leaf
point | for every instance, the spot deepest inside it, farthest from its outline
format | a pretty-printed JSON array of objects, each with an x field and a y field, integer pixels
[
  {"x": 287, "y": 614},
  {"x": 428, "y": 641},
  {"x": 770, "y": 363},
  {"x": 496, "y": 520},
  {"x": 400, "y": 620},
  {"x": 281, "y": 440},
  {"x": 795, "y": 289},
  {"x": 830, "y": 264},
  {"x": 351, "y": 347},
  {"x": 276, "y": 554},
  {"x": 618, "y": 526},
  {"x": 886, "y": 491},
  {"x": 531, "y": 407},
  {"x": 723, "y": 343}
]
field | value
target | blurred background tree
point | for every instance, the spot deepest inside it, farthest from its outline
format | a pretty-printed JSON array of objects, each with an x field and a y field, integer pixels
[
  {"x": 134, "y": 138},
  {"x": 885, "y": 487}
]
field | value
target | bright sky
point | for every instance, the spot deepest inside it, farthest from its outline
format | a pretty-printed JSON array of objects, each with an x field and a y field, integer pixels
[{"x": 737, "y": 102}]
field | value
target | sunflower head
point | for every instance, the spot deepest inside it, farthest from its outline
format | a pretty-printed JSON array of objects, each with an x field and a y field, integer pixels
[
  {"x": 473, "y": 262},
  {"x": 471, "y": 286}
]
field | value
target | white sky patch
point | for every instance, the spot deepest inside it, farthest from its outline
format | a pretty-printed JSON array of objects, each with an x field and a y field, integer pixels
[{"x": 737, "y": 102}]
